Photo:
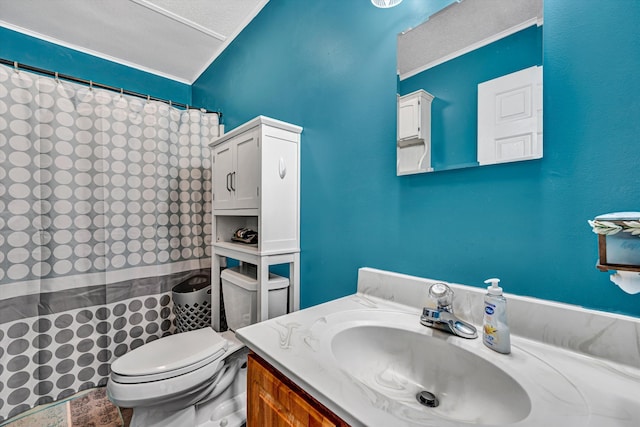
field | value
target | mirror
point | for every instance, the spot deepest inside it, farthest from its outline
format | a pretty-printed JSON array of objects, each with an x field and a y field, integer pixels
[{"x": 466, "y": 54}]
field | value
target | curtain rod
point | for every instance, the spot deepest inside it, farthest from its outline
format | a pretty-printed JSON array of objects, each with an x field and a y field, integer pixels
[{"x": 91, "y": 83}]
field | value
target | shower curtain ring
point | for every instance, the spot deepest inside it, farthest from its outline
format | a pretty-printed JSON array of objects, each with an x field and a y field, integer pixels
[
  {"x": 15, "y": 66},
  {"x": 57, "y": 78},
  {"x": 91, "y": 85},
  {"x": 148, "y": 98},
  {"x": 121, "y": 92}
]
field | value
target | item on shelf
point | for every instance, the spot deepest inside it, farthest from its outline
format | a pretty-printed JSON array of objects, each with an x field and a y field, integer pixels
[
  {"x": 619, "y": 248},
  {"x": 618, "y": 240},
  {"x": 245, "y": 235}
]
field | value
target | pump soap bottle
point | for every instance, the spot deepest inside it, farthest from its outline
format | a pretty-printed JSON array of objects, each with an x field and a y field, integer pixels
[{"x": 495, "y": 330}]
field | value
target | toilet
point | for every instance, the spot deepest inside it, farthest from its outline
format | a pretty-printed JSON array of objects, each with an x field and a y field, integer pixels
[{"x": 194, "y": 378}]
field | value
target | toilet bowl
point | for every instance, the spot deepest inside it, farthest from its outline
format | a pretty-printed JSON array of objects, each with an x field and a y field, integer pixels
[{"x": 195, "y": 378}]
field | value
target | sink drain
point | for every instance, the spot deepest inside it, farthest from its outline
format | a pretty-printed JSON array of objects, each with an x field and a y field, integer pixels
[{"x": 427, "y": 398}]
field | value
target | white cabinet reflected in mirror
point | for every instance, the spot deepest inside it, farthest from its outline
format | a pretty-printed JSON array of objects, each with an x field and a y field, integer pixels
[
  {"x": 414, "y": 133},
  {"x": 474, "y": 57}
]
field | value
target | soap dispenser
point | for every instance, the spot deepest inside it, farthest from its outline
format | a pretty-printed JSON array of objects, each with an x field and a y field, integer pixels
[{"x": 495, "y": 330}]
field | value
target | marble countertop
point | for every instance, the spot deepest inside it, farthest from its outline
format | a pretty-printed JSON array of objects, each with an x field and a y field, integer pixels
[{"x": 605, "y": 392}]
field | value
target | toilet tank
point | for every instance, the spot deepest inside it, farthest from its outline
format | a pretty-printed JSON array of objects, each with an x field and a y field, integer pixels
[{"x": 239, "y": 290}]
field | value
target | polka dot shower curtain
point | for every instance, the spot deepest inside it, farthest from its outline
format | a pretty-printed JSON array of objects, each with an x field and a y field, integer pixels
[{"x": 104, "y": 207}]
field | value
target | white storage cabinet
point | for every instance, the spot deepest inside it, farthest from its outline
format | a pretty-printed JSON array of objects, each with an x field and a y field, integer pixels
[{"x": 257, "y": 185}]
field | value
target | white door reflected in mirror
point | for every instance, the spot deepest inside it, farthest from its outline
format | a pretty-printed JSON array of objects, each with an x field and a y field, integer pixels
[{"x": 510, "y": 117}]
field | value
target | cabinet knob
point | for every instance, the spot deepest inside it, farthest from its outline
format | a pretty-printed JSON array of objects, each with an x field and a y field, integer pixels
[{"x": 282, "y": 168}]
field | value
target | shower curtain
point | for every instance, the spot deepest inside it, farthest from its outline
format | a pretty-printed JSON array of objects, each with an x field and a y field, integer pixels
[{"x": 105, "y": 205}]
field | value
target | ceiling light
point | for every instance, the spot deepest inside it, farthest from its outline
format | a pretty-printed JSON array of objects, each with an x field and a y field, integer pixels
[{"x": 385, "y": 3}]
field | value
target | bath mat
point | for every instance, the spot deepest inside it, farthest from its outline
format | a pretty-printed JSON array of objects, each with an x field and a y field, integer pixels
[{"x": 89, "y": 408}]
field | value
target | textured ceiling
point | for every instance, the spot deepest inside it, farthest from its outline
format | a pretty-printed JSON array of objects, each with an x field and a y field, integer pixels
[
  {"x": 177, "y": 39},
  {"x": 462, "y": 27}
]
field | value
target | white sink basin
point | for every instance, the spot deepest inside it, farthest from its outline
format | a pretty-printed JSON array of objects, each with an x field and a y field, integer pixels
[
  {"x": 392, "y": 358},
  {"x": 400, "y": 363},
  {"x": 366, "y": 356}
]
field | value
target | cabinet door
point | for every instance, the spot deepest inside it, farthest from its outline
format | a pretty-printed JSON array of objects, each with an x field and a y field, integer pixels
[
  {"x": 222, "y": 175},
  {"x": 245, "y": 179},
  {"x": 273, "y": 401},
  {"x": 408, "y": 118}
]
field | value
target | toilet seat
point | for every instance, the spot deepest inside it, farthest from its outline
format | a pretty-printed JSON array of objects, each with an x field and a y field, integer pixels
[
  {"x": 169, "y": 357},
  {"x": 129, "y": 395},
  {"x": 169, "y": 368}
]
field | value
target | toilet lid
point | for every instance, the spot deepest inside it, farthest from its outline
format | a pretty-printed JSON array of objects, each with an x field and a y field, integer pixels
[{"x": 179, "y": 352}]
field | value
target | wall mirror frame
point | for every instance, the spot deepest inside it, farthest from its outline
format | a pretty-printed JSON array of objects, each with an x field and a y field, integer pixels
[{"x": 481, "y": 60}]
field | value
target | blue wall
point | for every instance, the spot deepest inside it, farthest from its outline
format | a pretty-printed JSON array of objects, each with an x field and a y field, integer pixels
[
  {"x": 454, "y": 84},
  {"x": 28, "y": 50},
  {"x": 330, "y": 66}
]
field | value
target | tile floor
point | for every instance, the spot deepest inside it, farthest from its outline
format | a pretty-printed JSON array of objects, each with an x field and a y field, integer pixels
[{"x": 87, "y": 408}]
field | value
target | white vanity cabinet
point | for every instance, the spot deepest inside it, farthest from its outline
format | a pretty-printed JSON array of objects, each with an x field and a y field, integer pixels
[
  {"x": 414, "y": 133},
  {"x": 256, "y": 184}
]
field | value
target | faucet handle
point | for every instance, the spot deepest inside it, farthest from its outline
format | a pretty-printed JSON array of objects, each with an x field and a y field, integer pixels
[
  {"x": 429, "y": 316},
  {"x": 442, "y": 295}
]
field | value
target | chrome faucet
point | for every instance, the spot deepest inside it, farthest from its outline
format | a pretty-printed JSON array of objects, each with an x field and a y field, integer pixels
[{"x": 442, "y": 317}]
